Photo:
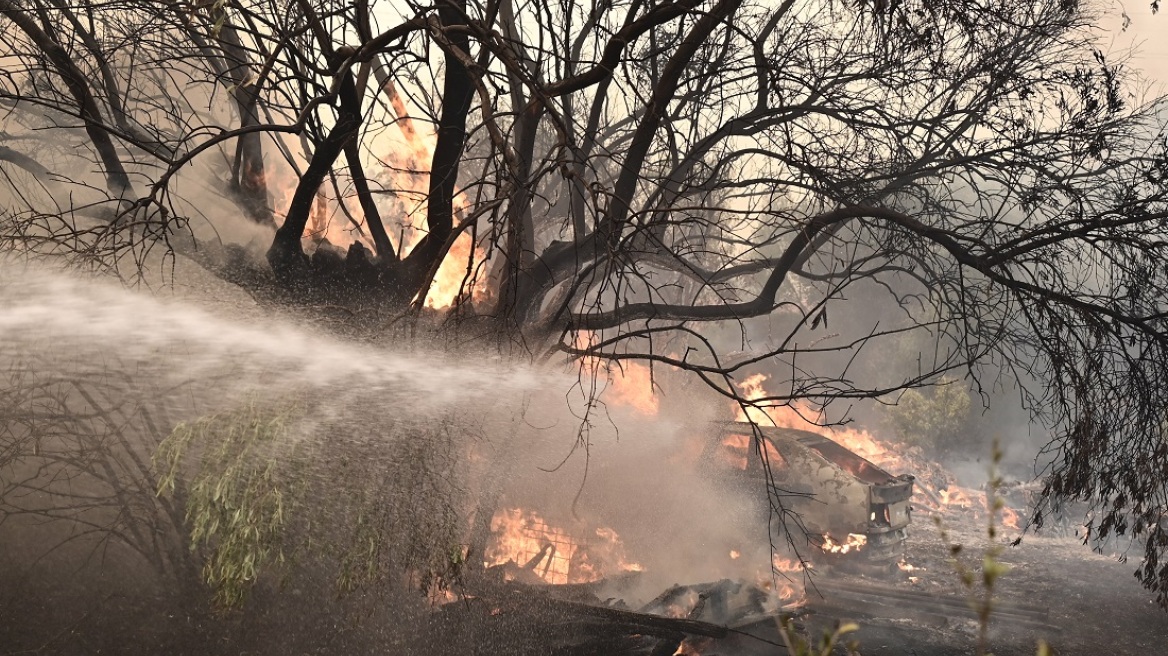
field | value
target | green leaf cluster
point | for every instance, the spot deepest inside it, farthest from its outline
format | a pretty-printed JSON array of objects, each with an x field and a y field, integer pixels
[
  {"x": 238, "y": 501},
  {"x": 937, "y": 421}
]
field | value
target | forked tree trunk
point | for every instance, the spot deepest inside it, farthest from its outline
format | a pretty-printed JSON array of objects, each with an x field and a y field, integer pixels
[{"x": 286, "y": 255}]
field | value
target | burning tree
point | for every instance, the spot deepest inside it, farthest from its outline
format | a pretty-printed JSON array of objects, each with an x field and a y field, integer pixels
[{"x": 641, "y": 173}]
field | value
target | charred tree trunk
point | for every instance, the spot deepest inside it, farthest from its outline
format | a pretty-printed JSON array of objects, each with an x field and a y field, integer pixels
[
  {"x": 368, "y": 206},
  {"x": 516, "y": 286},
  {"x": 286, "y": 256},
  {"x": 457, "y": 93},
  {"x": 249, "y": 178}
]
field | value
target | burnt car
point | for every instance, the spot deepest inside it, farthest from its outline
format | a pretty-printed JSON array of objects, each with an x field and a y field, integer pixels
[{"x": 847, "y": 503}]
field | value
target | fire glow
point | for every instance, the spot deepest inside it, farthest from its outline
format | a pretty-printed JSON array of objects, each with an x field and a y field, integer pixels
[
  {"x": 948, "y": 497},
  {"x": 558, "y": 557},
  {"x": 738, "y": 449},
  {"x": 854, "y": 542},
  {"x": 954, "y": 496},
  {"x": 404, "y": 172},
  {"x": 786, "y": 587},
  {"x": 629, "y": 383},
  {"x": 860, "y": 442},
  {"x": 1009, "y": 518}
]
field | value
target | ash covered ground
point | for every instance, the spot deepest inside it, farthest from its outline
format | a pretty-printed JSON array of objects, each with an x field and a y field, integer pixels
[{"x": 1094, "y": 606}]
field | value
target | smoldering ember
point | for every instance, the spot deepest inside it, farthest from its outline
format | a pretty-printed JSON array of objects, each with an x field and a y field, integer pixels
[{"x": 657, "y": 327}]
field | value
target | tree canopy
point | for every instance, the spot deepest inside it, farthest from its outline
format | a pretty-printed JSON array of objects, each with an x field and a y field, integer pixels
[{"x": 607, "y": 179}]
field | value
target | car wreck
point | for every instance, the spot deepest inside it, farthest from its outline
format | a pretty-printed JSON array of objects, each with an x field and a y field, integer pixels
[
  {"x": 847, "y": 503},
  {"x": 579, "y": 578}
]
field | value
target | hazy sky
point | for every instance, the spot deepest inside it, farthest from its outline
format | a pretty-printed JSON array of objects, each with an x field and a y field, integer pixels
[{"x": 1148, "y": 35}]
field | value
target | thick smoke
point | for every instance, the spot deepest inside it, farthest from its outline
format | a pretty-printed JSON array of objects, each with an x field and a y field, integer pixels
[{"x": 649, "y": 478}]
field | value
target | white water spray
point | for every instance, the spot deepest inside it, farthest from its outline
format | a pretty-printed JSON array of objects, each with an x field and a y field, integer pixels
[{"x": 58, "y": 319}]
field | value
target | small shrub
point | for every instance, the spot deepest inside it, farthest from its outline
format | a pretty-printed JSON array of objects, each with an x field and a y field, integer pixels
[
  {"x": 297, "y": 481},
  {"x": 799, "y": 645},
  {"x": 238, "y": 501},
  {"x": 936, "y": 422}
]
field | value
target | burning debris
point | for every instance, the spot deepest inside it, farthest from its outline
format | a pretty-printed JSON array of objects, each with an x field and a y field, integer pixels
[
  {"x": 855, "y": 542},
  {"x": 572, "y": 582},
  {"x": 722, "y": 617},
  {"x": 522, "y": 538},
  {"x": 935, "y": 488}
]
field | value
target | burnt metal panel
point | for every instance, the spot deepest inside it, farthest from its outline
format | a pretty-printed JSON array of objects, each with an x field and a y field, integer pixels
[{"x": 850, "y": 494}]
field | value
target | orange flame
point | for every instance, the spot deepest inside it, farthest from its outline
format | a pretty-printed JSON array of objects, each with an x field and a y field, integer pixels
[
  {"x": 860, "y": 442},
  {"x": 411, "y": 185},
  {"x": 629, "y": 383},
  {"x": 737, "y": 453},
  {"x": 954, "y": 496},
  {"x": 632, "y": 385},
  {"x": 318, "y": 223},
  {"x": 790, "y": 588},
  {"x": 407, "y": 173},
  {"x": 929, "y": 475},
  {"x": 1009, "y": 518},
  {"x": 451, "y": 277},
  {"x": 556, "y": 556},
  {"x": 404, "y": 173},
  {"x": 787, "y": 565},
  {"x": 855, "y": 542},
  {"x": 739, "y": 447}
]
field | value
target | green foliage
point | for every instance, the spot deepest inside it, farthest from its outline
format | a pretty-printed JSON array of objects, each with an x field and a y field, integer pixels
[
  {"x": 798, "y": 645},
  {"x": 405, "y": 515},
  {"x": 981, "y": 585},
  {"x": 384, "y": 503},
  {"x": 238, "y": 501},
  {"x": 935, "y": 422}
]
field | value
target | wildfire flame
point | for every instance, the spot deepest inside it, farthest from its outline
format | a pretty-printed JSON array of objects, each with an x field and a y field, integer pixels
[
  {"x": 523, "y": 537},
  {"x": 738, "y": 448},
  {"x": 632, "y": 385},
  {"x": 404, "y": 172},
  {"x": 954, "y": 496},
  {"x": 854, "y": 542},
  {"x": 937, "y": 490},
  {"x": 1009, "y": 517},
  {"x": 794, "y": 416},
  {"x": 452, "y": 273},
  {"x": 786, "y": 578},
  {"x": 629, "y": 383}
]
